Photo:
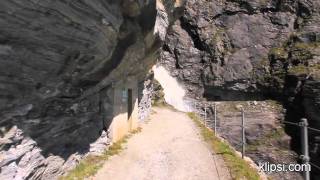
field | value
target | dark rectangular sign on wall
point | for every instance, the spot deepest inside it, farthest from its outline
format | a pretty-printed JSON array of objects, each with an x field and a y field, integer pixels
[{"x": 130, "y": 104}]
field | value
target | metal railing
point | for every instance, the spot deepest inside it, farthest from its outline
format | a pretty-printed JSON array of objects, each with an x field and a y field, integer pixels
[
  {"x": 303, "y": 124},
  {"x": 201, "y": 110}
]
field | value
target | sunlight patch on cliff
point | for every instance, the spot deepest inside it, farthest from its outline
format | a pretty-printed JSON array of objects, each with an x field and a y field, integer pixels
[{"x": 173, "y": 92}]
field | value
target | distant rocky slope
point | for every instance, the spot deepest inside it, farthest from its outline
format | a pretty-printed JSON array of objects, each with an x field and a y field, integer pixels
[
  {"x": 235, "y": 50},
  {"x": 58, "y": 61}
]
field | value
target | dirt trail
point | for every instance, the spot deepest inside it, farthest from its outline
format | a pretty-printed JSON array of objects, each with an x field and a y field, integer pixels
[{"x": 168, "y": 148}]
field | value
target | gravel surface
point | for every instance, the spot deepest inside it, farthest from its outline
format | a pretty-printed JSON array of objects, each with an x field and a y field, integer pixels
[{"x": 168, "y": 148}]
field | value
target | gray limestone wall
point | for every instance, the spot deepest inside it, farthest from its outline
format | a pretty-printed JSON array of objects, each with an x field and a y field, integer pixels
[{"x": 59, "y": 60}]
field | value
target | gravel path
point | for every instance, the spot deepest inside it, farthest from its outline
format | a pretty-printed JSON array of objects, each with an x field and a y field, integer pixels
[{"x": 168, "y": 148}]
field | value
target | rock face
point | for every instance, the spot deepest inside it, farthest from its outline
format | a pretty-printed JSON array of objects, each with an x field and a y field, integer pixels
[
  {"x": 236, "y": 50},
  {"x": 58, "y": 61},
  {"x": 145, "y": 97},
  {"x": 228, "y": 47}
]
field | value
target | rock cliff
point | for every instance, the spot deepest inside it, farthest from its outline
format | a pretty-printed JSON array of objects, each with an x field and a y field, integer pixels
[
  {"x": 242, "y": 50},
  {"x": 58, "y": 61}
]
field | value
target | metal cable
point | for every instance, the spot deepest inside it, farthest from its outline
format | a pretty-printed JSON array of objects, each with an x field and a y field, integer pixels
[
  {"x": 202, "y": 115},
  {"x": 291, "y": 123},
  {"x": 285, "y": 122},
  {"x": 312, "y": 164},
  {"x": 297, "y": 124},
  {"x": 314, "y": 129}
]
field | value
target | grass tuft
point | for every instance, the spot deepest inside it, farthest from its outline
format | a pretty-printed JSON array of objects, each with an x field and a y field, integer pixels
[
  {"x": 301, "y": 69},
  {"x": 307, "y": 46},
  {"x": 90, "y": 165},
  {"x": 279, "y": 53},
  {"x": 239, "y": 168},
  {"x": 136, "y": 131}
]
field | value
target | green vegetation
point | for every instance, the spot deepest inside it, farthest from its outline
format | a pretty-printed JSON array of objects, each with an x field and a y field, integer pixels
[
  {"x": 263, "y": 63},
  {"x": 90, "y": 165},
  {"x": 276, "y": 105},
  {"x": 279, "y": 53},
  {"x": 273, "y": 74},
  {"x": 299, "y": 70},
  {"x": 301, "y": 55},
  {"x": 135, "y": 131},
  {"x": 279, "y": 73},
  {"x": 267, "y": 139},
  {"x": 232, "y": 106},
  {"x": 158, "y": 95},
  {"x": 305, "y": 70},
  {"x": 218, "y": 34},
  {"x": 276, "y": 134},
  {"x": 239, "y": 168},
  {"x": 159, "y": 103},
  {"x": 307, "y": 46},
  {"x": 304, "y": 51},
  {"x": 315, "y": 71}
]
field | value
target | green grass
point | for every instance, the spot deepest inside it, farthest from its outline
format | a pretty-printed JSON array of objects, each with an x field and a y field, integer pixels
[
  {"x": 276, "y": 105},
  {"x": 299, "y": 70},
  {"x": 159, "y": 104},
  {"x": 239, "y": 168},
  {"x": 218, "y": 34},
  {"x": 90, "y": 165},
  {"x": 233, "y": 106},
  {"x": 307, "y": 46},
  {"x": 267, "y": 139},
  {"x": 279, "y": 53},
  {"x": 165, "y": 105}
]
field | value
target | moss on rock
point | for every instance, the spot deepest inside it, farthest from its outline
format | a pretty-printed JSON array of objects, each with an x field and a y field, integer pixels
[
  {"x": 158, "y": 94},
  {"x": 305, "y": 70},
  {"x": 279, "y": 53}
]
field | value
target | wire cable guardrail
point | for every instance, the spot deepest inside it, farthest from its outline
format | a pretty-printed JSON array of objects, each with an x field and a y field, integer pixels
[
  {"x": 314, "y": 129},
  {"x": 201, "y": 110},
  {"x": 314, "y": 165},
  {"x": 298, "y": 124},
  {"x": 290, "y": 123}
]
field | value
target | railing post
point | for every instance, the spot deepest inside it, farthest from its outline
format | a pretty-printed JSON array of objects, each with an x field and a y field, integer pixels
[
  {"x": 305, "y": 147},
  {"x": 243, "y": 133},
  {"x": 215, "y": 119}
]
